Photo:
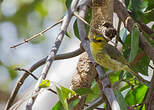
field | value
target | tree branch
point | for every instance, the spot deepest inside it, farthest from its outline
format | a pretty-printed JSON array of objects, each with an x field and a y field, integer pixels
[
  {"x": 85, "y": 43},
  {"x": 145, "y": 28},
  {"x": 149, "y": 101},
  {"x": 85, "y": 71},
  {"x": 51, "y": 57},
  {"x": 128, "y": 23},
  {"x": 36, "y": 35},
  {"x": 94, "y": 104},
  {"x": 30, "y": 73},
  {"x": 21, "y": 80},
  {"x": 107, "y": 89}
]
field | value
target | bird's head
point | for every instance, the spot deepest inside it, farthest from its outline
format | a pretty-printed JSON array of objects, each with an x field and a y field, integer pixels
[{"x": 98, "y": 41}]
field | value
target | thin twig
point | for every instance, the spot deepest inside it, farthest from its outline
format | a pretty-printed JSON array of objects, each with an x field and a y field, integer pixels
[
  {"x": 52, "y": 91},
  {"x": 30, "y": 73},
  {"x": 151, "y": 67},
  {"x": 137, "y": 105},
  {"x": 73, "y": 98},
  {"x": 80, "y": 18},
  {"x": 21, "y": 101},
  {"x": 138, "y": 57},
  {"x": 21, "y": 80},
  {"x": 36, "y": 35},
  {"x": 52, "y": 55}
]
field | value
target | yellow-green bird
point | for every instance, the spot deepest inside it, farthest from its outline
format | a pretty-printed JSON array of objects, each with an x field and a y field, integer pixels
[{"x": 109, "y": 57}]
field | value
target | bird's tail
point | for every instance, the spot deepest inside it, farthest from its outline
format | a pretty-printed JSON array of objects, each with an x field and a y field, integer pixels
[{"x": 136, "y": 75}]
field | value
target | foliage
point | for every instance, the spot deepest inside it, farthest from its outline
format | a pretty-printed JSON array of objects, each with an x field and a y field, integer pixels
[
  {"x": 64, "y": 94},
  {"x": 44, "y": 84},
  {"x": 129, "y": 92}
]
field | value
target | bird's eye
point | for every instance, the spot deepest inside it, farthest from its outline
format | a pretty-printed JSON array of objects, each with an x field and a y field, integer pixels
[{"x": 99, "y": 40}]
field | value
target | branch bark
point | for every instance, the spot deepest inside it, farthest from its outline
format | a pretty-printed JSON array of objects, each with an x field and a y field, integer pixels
[
  {"x": 85, "y": 72},
  {"x": 149, "y": 102},
  {"x": 145, "y": 28},
  {"x": 102, "y": 20}
]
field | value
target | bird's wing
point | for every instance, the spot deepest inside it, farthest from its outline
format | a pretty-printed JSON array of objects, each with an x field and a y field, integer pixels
[{"x": 115, "y": 54}]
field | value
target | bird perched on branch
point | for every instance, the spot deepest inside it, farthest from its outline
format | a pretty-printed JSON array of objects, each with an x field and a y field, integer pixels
[{"x": 109, "y": 57}]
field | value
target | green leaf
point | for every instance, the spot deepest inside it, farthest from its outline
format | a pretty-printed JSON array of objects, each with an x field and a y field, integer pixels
[
  {"x": 72, "y": 104},
  {"x": 13, "y": 74},
  {"x": 121, "y": 100},
  {"x": 150, "y": 5},
  {"x": 134, "y": 43},
  {"x": 68, "y": 34},
  {"x": 149, "y": 12},
  {"x": 58, "y": 106},
  {"x": 137, "y": 7},
  {"x": 88, "y": 19},
  {"x": 43, "y": 12},
  {"x": 149, "y": 38},
  {"x": 84, "y": 91},
  {"x": 140, "y": 93},
  {"x": 127, "y": 47},
  {"x": 125, "y": 75},
  {"x": 130, "y": 99},
  {"x": 64, "y": 94},
  {"x": 149, "y": 15},
  {"x": 62, "y": 99},
  {"x": 126, "y": 86},
  {"x": 137, "y": 95},
  {"x": 127, "y": 3},
  {"x": 142, "y": 65},
  {"x": 44, "y": 84},
  {"x": 68, "y": 3},
  {"x": 95, "y": 92},
  {"x": 114, "y": 77},
  {"x": 123, "y": 34},
  {"x": 67, "y": 93},
  {"x": 143, "y": 108},
  {"x": 76, "y": 31}
]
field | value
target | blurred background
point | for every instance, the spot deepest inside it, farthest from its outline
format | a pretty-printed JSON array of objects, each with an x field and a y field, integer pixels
[{"x": 19, "y": 20}]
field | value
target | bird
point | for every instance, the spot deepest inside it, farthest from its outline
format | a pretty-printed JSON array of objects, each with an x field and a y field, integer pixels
[{"x": 110, "y": 57}]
